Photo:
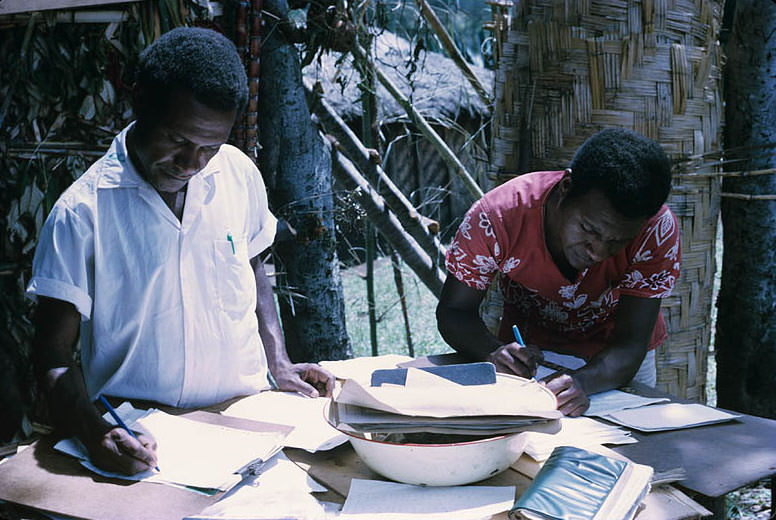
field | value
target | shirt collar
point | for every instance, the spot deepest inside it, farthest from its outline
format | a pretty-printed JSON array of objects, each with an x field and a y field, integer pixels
[{"x": 119, "y": 172}]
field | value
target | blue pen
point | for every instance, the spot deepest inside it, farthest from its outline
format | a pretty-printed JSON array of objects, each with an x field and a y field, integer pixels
[
  {"x": 518, "y": 337},
  {"x": 118, "y": 420}
]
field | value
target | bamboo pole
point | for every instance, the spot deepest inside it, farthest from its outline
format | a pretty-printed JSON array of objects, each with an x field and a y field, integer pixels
[
  {"x": 241, "y": 42},
  {"x": 399, "y": 281},
  {"x": 747, "y": 196},
  {"x": 387, "y": 222},
  {"x": 424, "y": 126},
  {"x": 738, "y": 173},
  {"x": 420, "y": 228},
  {"x": 254, "y": 55},
  {"x": 447, "y": 42},
  {"x": 371, "y": 140}
]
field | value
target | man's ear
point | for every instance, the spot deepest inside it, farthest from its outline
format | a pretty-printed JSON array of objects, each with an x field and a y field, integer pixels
[{"x": 564, "y": 185}]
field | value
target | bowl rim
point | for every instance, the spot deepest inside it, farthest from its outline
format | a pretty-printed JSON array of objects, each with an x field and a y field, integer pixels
[{"x": 447, "y": 444}]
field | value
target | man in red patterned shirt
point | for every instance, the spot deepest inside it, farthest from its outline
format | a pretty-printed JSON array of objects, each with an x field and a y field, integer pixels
[{"x": 585, "y": 256}]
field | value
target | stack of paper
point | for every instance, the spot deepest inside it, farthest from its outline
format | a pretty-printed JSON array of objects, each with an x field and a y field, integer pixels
[
  {"x": 581, "y": 432},
  {"x": 670, "y": 416},
  {"x": 604, "y": 403},
  {"x": 281, "y": 491},
  {"x": 305, "y": 414},
  {"x": 433, "y": 404},
  {"x": 190, "y": 453},
  {"x": 376, "y": 500}
]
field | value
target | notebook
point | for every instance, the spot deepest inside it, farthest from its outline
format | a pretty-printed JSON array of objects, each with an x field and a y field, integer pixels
[{"x": 576, "y": 484}]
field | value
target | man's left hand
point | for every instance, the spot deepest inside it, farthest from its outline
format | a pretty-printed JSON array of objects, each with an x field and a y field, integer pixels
[
  {"x": 309, "y": 379},
  {"x": 572, "y": 399}
]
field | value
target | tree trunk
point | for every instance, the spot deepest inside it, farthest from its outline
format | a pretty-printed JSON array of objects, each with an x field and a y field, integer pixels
[
  {"x": 298, "y": 172},
  {"x": 746, "y": 323}
]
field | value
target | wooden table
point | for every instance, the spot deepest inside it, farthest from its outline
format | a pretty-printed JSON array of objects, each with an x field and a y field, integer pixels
[{"x": 718, "y": 458}]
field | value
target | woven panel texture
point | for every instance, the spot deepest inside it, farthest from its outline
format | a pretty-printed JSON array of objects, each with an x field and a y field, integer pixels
[{"x": 568, "y": 68}]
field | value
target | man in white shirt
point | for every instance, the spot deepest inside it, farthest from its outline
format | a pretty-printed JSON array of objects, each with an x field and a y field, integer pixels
[{"x": 152, "y": 257}]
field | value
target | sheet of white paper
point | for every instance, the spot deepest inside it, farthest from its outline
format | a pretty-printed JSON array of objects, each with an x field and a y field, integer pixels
[
  {"x": 361, "y": 368},
  {"x": 613, "y": 400},
  {"x": 564, "y": 360},
  {"x": 281, "y": 491},
  {"x": 671, "y": 416},
  {"x": 448, "y": 399},
  {"x": 581, "y": 432},
  {"x": 311, "y": 430},
  {"x": 377, "y": 500},
  {"x": 190, "y": 453}
]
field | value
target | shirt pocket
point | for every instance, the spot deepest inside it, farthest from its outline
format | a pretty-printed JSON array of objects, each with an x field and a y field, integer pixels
[{"x": 235, "y": 283}]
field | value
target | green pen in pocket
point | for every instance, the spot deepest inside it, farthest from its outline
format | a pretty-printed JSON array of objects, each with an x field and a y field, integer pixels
[{"x": 231, "y": 241}]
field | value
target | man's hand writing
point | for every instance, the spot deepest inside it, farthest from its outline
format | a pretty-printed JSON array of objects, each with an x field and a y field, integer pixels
[
  {"x": 117, "y": 451},
  {"x": 309, "y": 379},
  {"x": 572, "y": 399},
  {"x": 516, "y": 359}
]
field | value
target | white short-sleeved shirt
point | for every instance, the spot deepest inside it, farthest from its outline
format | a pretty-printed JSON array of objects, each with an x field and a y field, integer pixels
[{"x": 168, "y": 306}]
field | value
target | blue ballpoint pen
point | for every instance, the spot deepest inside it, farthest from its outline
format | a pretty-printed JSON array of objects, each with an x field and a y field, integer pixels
[
  {"x": 518, "y": 337},
  {"x": 121, "y": 424}
]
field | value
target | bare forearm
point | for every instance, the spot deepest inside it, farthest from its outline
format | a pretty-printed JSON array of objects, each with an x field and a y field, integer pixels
[
  {"x": 612, "y": 368},
  {"x": 466, "y": 333},
  {"x": 270, "y": 331},
  {"x": 56, "y": 332}
]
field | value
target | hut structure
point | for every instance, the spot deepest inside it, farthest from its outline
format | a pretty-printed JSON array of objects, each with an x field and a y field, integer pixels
[
  {"x": 568, "y": 69},
  {"x": 443, "y": 96}
]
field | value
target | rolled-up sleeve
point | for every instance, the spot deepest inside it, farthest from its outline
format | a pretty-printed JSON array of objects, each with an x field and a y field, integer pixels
[
  {"x": 63, "y": 264},
  {"x": 262, "y": 224}
]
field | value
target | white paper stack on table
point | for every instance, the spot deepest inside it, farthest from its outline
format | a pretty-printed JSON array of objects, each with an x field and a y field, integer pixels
[
  {"x": 282, "y": 491},
  {"x": 376, "y": 500},
  {"x": 190, "y": 453},
  {"x": 581, "y": 432},
  {"x": 305, "y": 414},
  {"x": 432, "y": 404}
]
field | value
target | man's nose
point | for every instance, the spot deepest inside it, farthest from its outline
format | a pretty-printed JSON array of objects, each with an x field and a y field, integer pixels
[
  {"x": 597, "y": 250},
  {"x": 190, "y": 160}
]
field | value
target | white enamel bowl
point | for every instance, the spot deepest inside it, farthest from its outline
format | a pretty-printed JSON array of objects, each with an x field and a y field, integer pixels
[{"x": 439, "y": 464}]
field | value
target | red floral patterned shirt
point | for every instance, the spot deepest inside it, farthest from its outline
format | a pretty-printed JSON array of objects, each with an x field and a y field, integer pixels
[{"x": 504, "y": 233}]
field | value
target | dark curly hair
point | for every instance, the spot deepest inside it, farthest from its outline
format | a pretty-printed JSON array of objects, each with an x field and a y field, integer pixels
[
  {"x": 633, "y": 172},
  {"x": 199, "y": 60}
]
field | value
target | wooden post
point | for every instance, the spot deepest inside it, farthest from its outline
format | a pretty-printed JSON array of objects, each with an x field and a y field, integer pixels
[
  {"x": 399, "y": 281},
  {"x": 387, "y": 222},
  {"x": 412, "y": 221},
  {"x": 424, "y": 126}
]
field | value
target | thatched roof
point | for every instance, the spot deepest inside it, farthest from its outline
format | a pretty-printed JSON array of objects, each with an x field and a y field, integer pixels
[{"x": 438, "y": 88}]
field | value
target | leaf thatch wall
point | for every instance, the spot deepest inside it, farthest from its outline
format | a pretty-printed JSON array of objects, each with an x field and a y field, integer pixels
[{"x": 567, "y": 69}]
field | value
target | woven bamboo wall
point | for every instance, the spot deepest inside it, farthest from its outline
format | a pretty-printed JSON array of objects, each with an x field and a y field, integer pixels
[{"x": 568, "y": 68}]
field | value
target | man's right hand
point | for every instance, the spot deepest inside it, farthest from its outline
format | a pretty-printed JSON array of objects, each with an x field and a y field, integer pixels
[
  {"x": 118, "y": 451},
  {"x": 514, "y": 358}
]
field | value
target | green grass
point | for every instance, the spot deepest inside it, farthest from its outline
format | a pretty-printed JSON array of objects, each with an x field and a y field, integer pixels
[{"x": 391, "y": 337}]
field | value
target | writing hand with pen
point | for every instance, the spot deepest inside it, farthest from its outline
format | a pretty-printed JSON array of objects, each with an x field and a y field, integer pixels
[
  {"x": 523, "y": 360},
  {"x": 120, "y": 449},
  {"x": 517, "y": 357}
]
